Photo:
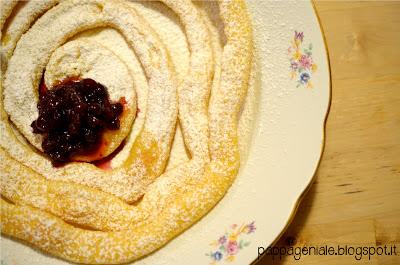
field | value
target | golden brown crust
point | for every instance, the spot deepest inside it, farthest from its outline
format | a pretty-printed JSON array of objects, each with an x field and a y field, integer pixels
[{"x": 6, "y": 7}]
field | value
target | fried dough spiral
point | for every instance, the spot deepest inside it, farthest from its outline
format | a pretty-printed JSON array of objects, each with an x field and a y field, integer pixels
[{"x": 43, "y": 203}]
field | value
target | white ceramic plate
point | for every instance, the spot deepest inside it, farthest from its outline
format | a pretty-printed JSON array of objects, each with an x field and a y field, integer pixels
[{"x": 286, "y": 147}]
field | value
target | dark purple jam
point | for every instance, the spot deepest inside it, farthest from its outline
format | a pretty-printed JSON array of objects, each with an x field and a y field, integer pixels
[{"x": 72, "y": 118}]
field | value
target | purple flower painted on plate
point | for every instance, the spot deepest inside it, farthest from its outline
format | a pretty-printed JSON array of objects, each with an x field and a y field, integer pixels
[
  {"x": 230, "y": 243},
  {"x": 294, "y": 66},
  {"x": 251, "y": 228},
  {"x": 302, "y": 65},
  {"x": 299, "y": 35},
  {"x": 222, "y": 240}
]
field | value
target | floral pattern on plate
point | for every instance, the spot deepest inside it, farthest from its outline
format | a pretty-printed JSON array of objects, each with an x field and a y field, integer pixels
[
  {"x": 302, "y": 65},
  {"x": 230, "y": 243}
]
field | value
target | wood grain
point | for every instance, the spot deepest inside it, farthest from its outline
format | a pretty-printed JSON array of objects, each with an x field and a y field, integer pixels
[{"x": 355, "y": 198}]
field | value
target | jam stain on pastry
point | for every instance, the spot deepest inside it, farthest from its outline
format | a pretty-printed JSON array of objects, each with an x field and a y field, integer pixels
[{"x": 73, "y": 117}]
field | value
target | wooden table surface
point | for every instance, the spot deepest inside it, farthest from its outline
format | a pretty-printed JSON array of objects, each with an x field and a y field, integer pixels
[{"x": 355, "y": 199}]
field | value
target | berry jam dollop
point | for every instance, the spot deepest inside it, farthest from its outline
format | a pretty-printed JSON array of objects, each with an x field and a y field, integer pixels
[{"x": 72, "y": 118}]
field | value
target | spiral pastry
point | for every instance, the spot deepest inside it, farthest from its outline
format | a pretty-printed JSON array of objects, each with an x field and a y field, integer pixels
[{"x": 82, "y": 212}]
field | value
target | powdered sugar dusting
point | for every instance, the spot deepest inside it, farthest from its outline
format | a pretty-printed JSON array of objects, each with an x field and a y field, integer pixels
[{"x": 84, "y": 195}]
